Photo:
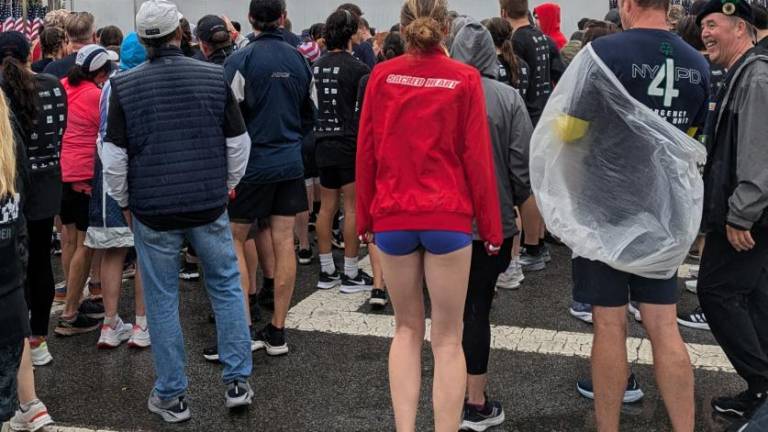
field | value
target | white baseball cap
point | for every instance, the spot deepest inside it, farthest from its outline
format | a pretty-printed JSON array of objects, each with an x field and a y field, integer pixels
[
  {"x": 93, "y": 57},
  {"x": 157, "y": 18}
]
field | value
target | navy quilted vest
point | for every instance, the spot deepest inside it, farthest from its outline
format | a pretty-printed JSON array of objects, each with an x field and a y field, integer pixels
[{"x": 174, "y": 108}]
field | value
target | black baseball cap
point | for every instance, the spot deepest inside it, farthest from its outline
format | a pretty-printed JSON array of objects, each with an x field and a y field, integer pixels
[
  {"x": 14, "y": 44},
  {"x": 734, "y": 8},
  {"x": 209, "y": 26}
]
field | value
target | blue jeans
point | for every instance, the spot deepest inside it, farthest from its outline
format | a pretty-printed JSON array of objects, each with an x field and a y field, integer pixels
[{"x": 158, "y": 253}]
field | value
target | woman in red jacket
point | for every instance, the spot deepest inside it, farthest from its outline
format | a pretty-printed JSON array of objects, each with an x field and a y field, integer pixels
[
  {"x": 78, "y": 154},
  {"x": 425, "y": 172}
]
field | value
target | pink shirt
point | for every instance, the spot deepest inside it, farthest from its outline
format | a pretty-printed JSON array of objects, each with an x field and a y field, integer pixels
[{"x": 78, "y": 147}]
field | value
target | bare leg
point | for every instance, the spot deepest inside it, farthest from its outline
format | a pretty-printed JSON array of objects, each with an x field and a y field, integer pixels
[
  {"x": 252, "y": 262},
  {"x": 447, "y": 281},
  {"x": 26, "y": 377},
  {"x": 516, "y": 241},
  {"x": 302, "y": 223},
  {"x": 78, "y": 274},
  {"x": 266, "y": 252},
  {"x": 378, "y": 272},
  {"x": 285, "y": 266},
  {"x": 68, "y": 247},
  {"x": 95, "y": 272},
  {"x": 532, "y": 223},
  {"x": 406, "y": 291},
  {"x": 609, "y": 365},
  {"x": 351, "y": 242},
  {"x": 138, "y": 288},
  {"x": 671, "y": 363},
  {"x": 112, "y": 278},
  {"x": 240, "y": 235},
  {"x": 329, "y": 199}
]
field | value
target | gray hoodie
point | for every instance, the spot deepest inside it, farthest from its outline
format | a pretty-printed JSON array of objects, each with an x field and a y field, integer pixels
[{"x": 510, "y": 124}]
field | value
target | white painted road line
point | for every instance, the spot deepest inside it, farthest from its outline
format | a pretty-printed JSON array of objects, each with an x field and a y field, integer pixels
[{"x": 329, "y": 311}]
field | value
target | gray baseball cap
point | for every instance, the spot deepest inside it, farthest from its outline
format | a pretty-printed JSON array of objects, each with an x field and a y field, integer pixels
[{"x": 157, "y": 18}]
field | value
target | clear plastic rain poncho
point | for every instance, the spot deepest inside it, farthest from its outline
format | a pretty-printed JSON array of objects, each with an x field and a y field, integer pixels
[{"x": 615, "y": 181}]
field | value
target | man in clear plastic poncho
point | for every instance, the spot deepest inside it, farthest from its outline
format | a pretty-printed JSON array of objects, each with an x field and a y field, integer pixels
[{"x": 617, "y": 180}]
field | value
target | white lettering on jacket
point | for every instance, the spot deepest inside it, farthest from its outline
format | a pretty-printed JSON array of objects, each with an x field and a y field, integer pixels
[{"x": 412, "y": 81}]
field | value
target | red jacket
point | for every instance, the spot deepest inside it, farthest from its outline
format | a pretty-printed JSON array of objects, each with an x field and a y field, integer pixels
[
  {"x": 548, "y": 15},
  {"x": 78, "y": 147},
  {"x": 424, "y": 158}
]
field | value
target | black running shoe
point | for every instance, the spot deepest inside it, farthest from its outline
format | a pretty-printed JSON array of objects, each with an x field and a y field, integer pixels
[
  {"x": 272, "y": 340},
  {"x": 305, "y": 256},
  {"x": 328, "y": 280},
  {"x": 379, "y": 298},
  {"x": 189, "y": 272},
  {"x": 492, "y": 414},
  {"x": 92, "y": 309},
  {"x": 362, "y": 282},
  {"x": 337, "y": 239},
  {"x": 695, "y": 319},
  {"x": 633, "y": 392},
  {"x": 211, "y": 353},
  {"x": 81, "y": 324},
  {"x": 740, "y": 405}
]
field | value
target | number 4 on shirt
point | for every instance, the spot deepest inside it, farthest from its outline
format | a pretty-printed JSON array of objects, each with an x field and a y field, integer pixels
[{"x": 666, "y": 75}]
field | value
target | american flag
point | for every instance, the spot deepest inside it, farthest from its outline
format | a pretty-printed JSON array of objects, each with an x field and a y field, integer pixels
[
  {"x": 12, "y": 17},
  {"x": 18, "y": 14},
  {"x": 8, "y": 21}
]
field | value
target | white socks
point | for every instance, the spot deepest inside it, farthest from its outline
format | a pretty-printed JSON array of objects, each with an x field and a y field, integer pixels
[
  {"x": 350, "y": 267},
  {"x": 326, "y": 263},
  {"x": 141, "y": 321}
]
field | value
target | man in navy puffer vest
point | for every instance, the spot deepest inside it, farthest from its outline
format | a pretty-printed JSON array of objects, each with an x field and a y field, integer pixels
[{"x": 176, "y": 145}]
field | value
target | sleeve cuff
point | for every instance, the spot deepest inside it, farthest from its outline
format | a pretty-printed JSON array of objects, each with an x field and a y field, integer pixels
[{"x": 739, "y": 223}]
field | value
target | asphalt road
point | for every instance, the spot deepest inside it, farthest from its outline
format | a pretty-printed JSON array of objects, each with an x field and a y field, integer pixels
[{"x": 336, "y": 380}]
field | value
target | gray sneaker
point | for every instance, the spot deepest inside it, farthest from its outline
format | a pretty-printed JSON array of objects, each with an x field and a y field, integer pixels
[
  {"x": 532, "y": 263},
  {"x": 174, "y": 410},
  {"x": 239, "y": 394}
]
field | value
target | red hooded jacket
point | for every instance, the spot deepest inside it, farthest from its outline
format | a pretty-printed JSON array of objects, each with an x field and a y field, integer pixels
[
  {"x": 549, "y": 22},
  {"x": 424, "y": 157}
]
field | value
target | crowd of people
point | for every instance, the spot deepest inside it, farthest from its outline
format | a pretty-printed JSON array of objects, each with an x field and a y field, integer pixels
[{"x": 203, "y": 151}]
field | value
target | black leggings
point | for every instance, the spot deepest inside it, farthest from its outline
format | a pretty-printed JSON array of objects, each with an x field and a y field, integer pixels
[
  {"x": 40, "y": 285},
  {"x": 483, "y": 274}
]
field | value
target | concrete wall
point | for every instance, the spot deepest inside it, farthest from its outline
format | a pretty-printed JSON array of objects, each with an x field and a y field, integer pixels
[{"x": 381, "y": 14}]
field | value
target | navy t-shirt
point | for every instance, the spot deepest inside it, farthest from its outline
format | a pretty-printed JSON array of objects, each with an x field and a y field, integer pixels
[{"x": 661, "y": 71}]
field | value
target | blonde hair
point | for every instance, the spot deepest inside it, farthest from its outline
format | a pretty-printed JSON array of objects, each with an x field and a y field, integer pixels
[
  {"x": 423, "y": 22},
  {"x": 56, "y": 18},
  {"x": 7, "y": 151}
]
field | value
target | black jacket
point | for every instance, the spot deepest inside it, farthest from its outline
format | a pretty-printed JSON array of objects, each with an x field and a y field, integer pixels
[
  {"x": 14, "y": 319},
  {"x": 735, "y": 177}
]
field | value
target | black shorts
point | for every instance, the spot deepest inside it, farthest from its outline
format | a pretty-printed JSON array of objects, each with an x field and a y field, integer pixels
[
  {"x": 598, "y": 284},
  {"x": 336, "y": 177},
  {"x": 260, "y": 201},
  {"x": 74, "y": 208}
]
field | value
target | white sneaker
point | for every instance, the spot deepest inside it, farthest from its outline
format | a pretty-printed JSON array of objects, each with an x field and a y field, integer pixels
[
  {"x": 35, "y": 418},
  {"x": 139, "y": 337},
  {"x": 634, "y": 310},
  {"x": 692, "y": 286},
  {"x": 512, "y": 277},
  {"x": 112, "y": 337},
  {"x": 40, "y": 354}
]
